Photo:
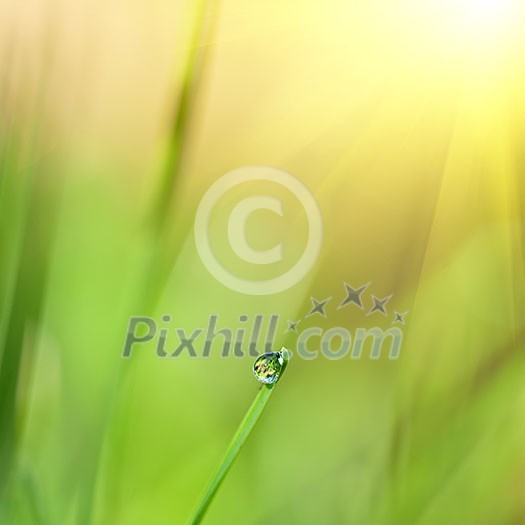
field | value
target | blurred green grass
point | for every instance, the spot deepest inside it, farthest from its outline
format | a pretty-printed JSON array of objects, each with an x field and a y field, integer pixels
[{"x": 87, "y": 437}]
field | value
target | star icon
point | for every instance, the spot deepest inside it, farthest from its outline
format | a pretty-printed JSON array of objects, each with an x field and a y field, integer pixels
[
  {"x": 379, "y": 305},
  {"x": 399, "y": 318},
  {"x": 292, "y": 327},
  {"x": 318, "y": 307},
  {"x": 353, "y": 295}
]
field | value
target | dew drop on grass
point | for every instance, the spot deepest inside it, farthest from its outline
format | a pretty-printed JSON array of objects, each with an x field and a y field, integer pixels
[{"x": 267, "y": 367}]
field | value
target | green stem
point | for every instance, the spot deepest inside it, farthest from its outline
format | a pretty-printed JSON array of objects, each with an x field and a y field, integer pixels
[{"x": 244, "y": 430}]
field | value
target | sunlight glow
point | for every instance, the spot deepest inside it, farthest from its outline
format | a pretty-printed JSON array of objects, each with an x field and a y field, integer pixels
[
  {"x": 487, "y": 20},
  {"x": 489, "y": 12}
]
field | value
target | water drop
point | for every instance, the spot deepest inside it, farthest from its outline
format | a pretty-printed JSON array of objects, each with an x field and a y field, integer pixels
[{"x": 268, "y": 367}]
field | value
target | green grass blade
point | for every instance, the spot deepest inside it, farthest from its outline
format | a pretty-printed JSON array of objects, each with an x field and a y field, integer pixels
[{"x": 240, "y": 437}]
